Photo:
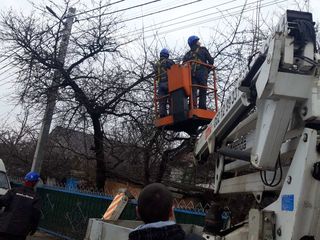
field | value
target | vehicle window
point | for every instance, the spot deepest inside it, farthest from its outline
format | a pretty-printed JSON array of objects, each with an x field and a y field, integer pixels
[{"x": 4, "y": 181}]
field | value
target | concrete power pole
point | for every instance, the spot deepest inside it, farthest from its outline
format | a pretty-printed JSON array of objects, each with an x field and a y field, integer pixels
[{"x": 52, "y": 94}]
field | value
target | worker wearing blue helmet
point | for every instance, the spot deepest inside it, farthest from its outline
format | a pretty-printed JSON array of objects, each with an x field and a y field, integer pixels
[
  {"x": 161, "y": 73},
  {"x": 199, "y": 72},
  {"x": 21, "y": 213}
]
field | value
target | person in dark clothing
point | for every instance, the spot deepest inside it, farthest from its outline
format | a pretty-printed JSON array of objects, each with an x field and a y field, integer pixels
[
  {"x": 21, "y": 210},
  {"x": 155, "y": 208},
  {"x": 161, "y": 70},
  {"x": 199, "y": 72}
]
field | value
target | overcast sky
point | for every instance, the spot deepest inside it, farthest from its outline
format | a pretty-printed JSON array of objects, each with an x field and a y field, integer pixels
[{"x": 190, "y": 17}]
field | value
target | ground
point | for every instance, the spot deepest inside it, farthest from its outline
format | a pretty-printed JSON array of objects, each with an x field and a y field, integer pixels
[{"x": 42, "y": 236}]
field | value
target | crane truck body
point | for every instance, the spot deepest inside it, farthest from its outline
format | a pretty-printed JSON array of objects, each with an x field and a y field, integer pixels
[{"x": 267, "y": 134}]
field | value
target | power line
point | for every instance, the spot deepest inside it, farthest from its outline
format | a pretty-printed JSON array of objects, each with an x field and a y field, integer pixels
[
  {"x": 10, "y": 55},
  {"x": 6, "y": 58},
  {"x": 159, "y": 6},
  {"x": 213, "y": 19},
  {"x": 216, "y": 18},
  {"x": 164, "y": 10},
  {"x": 190, "y": 19},
  {"x": 7, "y": 77},
  {"x": 7, "y": 70},
  {"x": 202, "y": 10},
  {"x": 120, "y": 10},
  {"x": 5, "y": 83},
  {"x": 97, "y": 8},
  {"x": 142, "y": 30},
  {"x": 170, "y": 20}
]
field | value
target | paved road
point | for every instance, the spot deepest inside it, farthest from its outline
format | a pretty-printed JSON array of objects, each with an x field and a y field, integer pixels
[{"x": 42, "y": 236}]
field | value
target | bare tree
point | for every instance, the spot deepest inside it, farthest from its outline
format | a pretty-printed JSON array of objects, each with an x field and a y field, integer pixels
[
  {"x": 103, "y": 88},
  {"x": 94, "y": 79},
  {"x": 17, "y": 144}
]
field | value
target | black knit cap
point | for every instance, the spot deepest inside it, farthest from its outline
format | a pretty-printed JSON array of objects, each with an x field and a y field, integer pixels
[{"x": 155, "y": 203}]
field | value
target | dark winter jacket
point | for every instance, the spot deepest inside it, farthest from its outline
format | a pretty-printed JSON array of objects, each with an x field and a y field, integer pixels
[
  {"x": 200, "y": 54},
  {"x": 22, "y": 211},
  {"x": 170, "y": 232}
]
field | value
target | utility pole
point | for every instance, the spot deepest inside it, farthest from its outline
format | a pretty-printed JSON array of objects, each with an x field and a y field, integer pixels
[{"x": 53, "y": 92}]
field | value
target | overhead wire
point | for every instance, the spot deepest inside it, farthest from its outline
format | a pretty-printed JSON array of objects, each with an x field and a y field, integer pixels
[
  {"x": 160, "y": 11},
  {"x": 7, "y": 70},
  {"x": 9, "y": 63},
  {"x": 4, "y": 59},
  {"x": 143, "y": 30},
  {"x": 95, "y": 9},
  {"x": 10, "y": 55},
  {"x": 206, "y": 20},
  {"x": 211, "y": 19},
  {"x": 119, "y": 10},
  {"x": 151, "y": 8},
  {"x": 164, "y": 10},
  {"x": 191, "y": 19},
  {"x": 199, "y": 11},
  {"x": 7, "y": 77}
]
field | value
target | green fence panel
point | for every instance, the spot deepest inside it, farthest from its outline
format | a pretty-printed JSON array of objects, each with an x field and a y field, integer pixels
[{"x": 66, "y": 212}]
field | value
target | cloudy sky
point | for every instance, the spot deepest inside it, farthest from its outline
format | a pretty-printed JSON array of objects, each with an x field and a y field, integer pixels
[{"x": 172, "y": 20}]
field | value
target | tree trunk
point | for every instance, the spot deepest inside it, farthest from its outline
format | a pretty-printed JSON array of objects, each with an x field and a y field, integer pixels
[
  {"x": 147, "y": 155},
  {"x": 146, "y": 160},
  {"x": 99, "y": 150},
  {"x": 162, "y": 166}
]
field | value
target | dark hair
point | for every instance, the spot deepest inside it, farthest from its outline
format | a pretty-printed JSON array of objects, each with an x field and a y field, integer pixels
[{"x": 155, "y": 203}]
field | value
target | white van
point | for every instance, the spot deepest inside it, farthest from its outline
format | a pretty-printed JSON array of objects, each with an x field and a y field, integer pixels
[{"x": 4, "y": 180}]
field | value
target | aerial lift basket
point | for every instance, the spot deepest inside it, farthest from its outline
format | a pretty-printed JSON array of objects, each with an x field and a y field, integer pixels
[{"x": 183, "y": 113}]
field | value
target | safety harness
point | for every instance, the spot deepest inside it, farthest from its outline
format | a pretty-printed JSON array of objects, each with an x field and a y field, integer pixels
[
  {"x": 161, "y": 69},
  {"x": 195, "y": 57}
]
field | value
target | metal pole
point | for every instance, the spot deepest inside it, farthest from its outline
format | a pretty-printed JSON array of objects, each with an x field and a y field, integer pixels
[{"x": 52, "y": 95}]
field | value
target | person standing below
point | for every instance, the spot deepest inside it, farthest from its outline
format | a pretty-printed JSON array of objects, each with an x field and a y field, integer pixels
[
  {"x": 155, "y": 208},
  {"x": 161, "y": 70},
  {"x": 21, "y": 213},
  {"x": 199, "y": 72}
]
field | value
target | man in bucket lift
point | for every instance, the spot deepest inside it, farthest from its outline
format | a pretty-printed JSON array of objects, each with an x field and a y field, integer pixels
[
  {"x": 161, "y": 70},
  {"x": 199, "y": 72}
]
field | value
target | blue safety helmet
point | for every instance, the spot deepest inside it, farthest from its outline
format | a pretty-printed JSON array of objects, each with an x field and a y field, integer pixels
[
  {"x": 192, "y": 40},
  {"x": 164, "y": 53},
  {"x": 32, "y": 177}
]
